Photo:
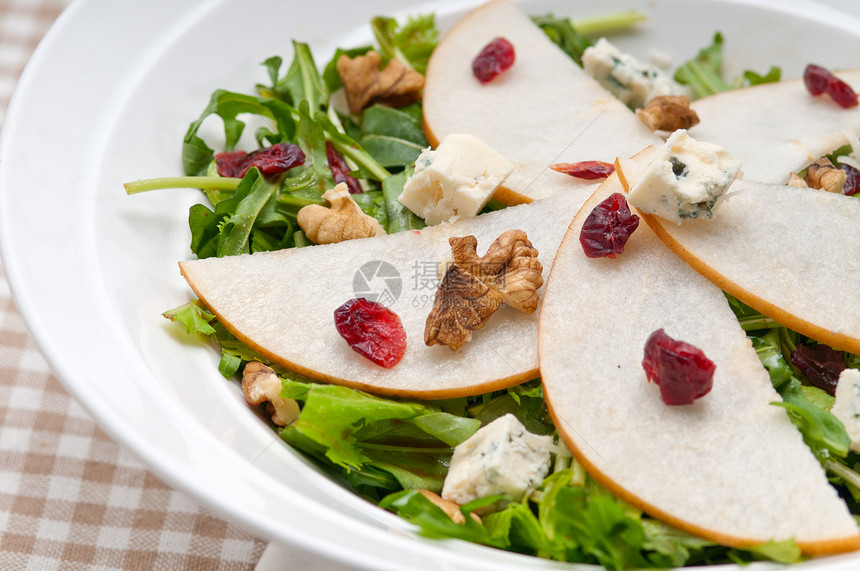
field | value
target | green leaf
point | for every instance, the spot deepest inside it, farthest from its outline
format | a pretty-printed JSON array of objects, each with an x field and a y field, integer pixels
[
  {"x": 412, "y": 506},
  {"x": 772, "y": 76},
  {"x": 372, "y": 203},
  {"x": 400, "y": 218},
  {"x": 193, "y": 316},
  {"x": 332, "y": 417},
  {"x": 393, "y": 137},
  {"x": 248, "y": 204},
  {"x": 303, "y": 81},
  {"x": 197, "y": 155},
  {"x": 704, "y": 72},
  {"x": 563, "y": 34},
  {"x": 768, "y": 350},
  {"x": 786, "y": 551},
  {"x": 412, "y": 43},
  {"x": 821, "y": 430},
  {"x": 452, "y": 430}
]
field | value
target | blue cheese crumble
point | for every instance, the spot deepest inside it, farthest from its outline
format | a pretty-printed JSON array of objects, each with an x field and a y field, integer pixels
[
  {"x": 633, "y": 82},
  {"x": 846, "y": 407},
  {"x": 500, "y": 458},
  {"x": 454, "y": 181},
  {"x": 687, "y": 179}
]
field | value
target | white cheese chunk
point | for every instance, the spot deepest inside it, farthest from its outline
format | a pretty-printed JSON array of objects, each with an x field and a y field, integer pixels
[
  {"x": 686, "y": 179},
  {"x": 846, "y": 407},
  {"x": 454, "y": 181},
  {"x": 633, "y": 82},
  {"x": 500, "y": 458}
]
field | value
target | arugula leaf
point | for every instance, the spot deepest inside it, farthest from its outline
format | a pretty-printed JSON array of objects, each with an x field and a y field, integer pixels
[
  {"x": 393, "y": 137},
  {"x": 563, "y": 34},
  {"x": 399, "y": 217},
  {"x": 703, "y": 73},
  {"x": 822, "y": 431},
  {"x": 302, "y": 82},
  {"x": 768, "y": 350},
  {"x": 197, "y": 155},
  {"x": 412, "y": 43},
  {"x": 193, "y": 316}
]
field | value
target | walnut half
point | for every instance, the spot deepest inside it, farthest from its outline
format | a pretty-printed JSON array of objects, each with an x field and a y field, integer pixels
[
  {"x": 474, "y": 287},
  {"x": 823, "y": 175},
  {"x": 260, "y": 384},
  {"x": 344, "y": 220},
  {"x": 364, "y": 83},
  {"x": 668, "y": 113}
]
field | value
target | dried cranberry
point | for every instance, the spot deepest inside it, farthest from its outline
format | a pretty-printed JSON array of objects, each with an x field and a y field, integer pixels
[
  {"x": 496, "y": 57},
  {"x": 276, "y": 159},
  {"x": 819, "y": 80},
  {"x": 681, "y": 370},
  {"x": 588, "y": 170},
  {"x": 340, "y": 170},
  {"x": 820, "y": 364},
  {"x": 372, "y": 330},
  {"x": 852, "y": 179},
  {"x": 607, "y": 228}
]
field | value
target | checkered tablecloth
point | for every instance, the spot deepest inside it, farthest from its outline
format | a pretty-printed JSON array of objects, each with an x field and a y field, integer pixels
[{"x": 70, "y": 497}]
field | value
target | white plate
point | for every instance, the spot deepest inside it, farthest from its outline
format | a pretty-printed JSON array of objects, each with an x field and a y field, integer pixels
[{"x": 106, "y": 99}]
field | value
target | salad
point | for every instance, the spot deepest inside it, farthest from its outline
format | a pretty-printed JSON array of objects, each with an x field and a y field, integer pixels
[{"x": 389, "y": 450}]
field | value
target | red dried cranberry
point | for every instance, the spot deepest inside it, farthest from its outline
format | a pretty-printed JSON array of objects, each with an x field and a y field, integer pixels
[
  {"x": 607, "y": 228},
  {"x": 588, "y": 170},
  {"x": 340, "y": 170},
  {"x": 496, "y": 57},
  {"x": 852, "y": 179},
  {"x": 819, "y": 80},
  {"x": 820, "y": 364},
  {"x": 276, "y": 159},
  {"x": 372, "y": 330},
  {"x": 681, "y": 370}
]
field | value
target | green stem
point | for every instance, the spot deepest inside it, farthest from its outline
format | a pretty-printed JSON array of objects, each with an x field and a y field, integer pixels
[
  {"x": 202, "y": 182},
  {"x": 603, "y": 25},
  {"x": 758, "y": 322},
  {"x": 844, "y": 472}
]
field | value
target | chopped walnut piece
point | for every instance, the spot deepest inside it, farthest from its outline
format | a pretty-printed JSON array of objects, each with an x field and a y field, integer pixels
[
  {"x": 451, "y": 509},
  {"x": 668, "y": 113},
  {"x": 795, "y": 180},
  {"x": 364, "y": 83},
  {"x": 823, "y": 175},
  {"x": 473, "y": 287},
  {"x": 260, "y": 384},
  {"x": 344, "y": 220}
]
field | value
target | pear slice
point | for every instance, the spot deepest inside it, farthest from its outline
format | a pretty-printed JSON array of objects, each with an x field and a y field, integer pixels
[
  {"x": 281, "y": 303},
  {"x": 791, "y": 253},
  {"x": 776, "y": 128},
  {"x": 543, "y": 110},
  {"x": 730, "y": 467}
]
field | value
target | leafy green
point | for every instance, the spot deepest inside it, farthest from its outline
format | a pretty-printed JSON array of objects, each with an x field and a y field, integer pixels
[
  {"x": 412, "y": 43},
  {"x": 704, "y": 74},
  {"x": 768, "y": 350},
  {"x": 393, "y": 137},
  {"x": 573, "y": 38},
  {"x": 822, "y": 431},
  {"x": 193, "y": 316},
  {"x": 334, "y": 417},
  {"x": 563, "y": 34},
  {"x": 399, "y": 217},
  {"x": 197, "y": 155}
]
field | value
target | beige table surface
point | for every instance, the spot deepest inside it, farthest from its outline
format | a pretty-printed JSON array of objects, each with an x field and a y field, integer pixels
[{"x": 70, "y": 497}]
